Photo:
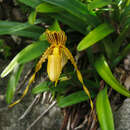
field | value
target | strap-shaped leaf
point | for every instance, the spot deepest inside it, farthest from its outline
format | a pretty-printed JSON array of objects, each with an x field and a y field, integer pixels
[
  {"x": 20, "y": 29},
  {"x": 27, "y": 54},
  {"x": 10, "y": 89},
  {"x": 95, "y": 35},
  {"x": 42, "y": 87},
  {"x": 32, "y": 17},
  {"x": 73, "y": 98},
  {"x": 12, "y": 83},
  {"x": 123, "y": 53},
  {"x": 104, "y": 111},
  {"x": 65, "y": 17},
  {"x": 75, "y": 8},
  {"x": 71, "y": 20},
  {"x": 98, "y": 4},
  {"x": 47, "y": 8},
  {"x": 32, "y": 51},
  {"x": 106, "y": 74},
  {"x": 32, "y": 3}
]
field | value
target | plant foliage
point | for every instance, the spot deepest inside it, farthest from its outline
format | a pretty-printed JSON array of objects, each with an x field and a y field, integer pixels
[{"x": 102, "y": 24}]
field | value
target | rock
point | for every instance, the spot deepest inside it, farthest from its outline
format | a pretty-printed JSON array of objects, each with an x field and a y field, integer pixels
[
  {"x": 9, "y": 117},
  {"x": 127, "y": 83},
  {"x": 127, "y": 62},
  {"x": 122, "y": 116}
]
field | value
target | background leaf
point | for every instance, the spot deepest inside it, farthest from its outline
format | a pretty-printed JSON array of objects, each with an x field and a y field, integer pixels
[
  {"x": 75, "y": 8},
  {"x": 12, "y": 83},
  {"x": 66, "y": 17},
  {"x": 98, "y": 4},
  {"x": 47, "y": 8},
  {"x": 20, "y": 29},
  {"x": 32, "y": 3},
  {"x": 123, "y": 53}
]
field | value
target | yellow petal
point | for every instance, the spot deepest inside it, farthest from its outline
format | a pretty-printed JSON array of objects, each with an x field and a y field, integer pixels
[{"x": 54, "y": 67}]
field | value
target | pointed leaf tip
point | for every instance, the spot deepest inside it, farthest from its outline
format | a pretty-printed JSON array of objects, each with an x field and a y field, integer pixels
[
  {"x": 105, "y": 72},
  {"x": 104, "y": 111}
]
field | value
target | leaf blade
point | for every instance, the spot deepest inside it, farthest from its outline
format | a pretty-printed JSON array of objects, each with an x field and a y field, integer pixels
[
  {"x": 12, "y": 83},
  {"x": 95, "y": 35},
  {"x": 73, "y": 98},
  {"x": 20, "y": 29},
  {"x": 32, "y": 3},
  {"x": 106, "y": 74},
  {"x": 26, "y": 55},
  {"x": 75, "y": 8},
  {"x": 104, "y": 111},
  {"x": 47, "y": 8},
  {"x": 42, "y": 87},
  {"x": 98, "y": 4}
]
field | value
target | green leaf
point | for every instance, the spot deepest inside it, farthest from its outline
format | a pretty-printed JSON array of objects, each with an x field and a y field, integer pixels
[
  {"x": 95, "y": 35},
  {"x": 42, "y": 87},
  {"x": 10, "y": 67},
  {"x": 118, "y": 42},
  {"x": 20, "y": 29},
  {"x": 32, "y": 51},
  {"x": 98, "y": 4},
  {"x": 17, "y": 72},
  {"x": 106, "y": 74},
  {"x": 47, "y": 8},
  {"x": 55, "y": 26},
  {"x": 73, "y": 11},
  {"x": 71, "y": 21},
  {"x": 73, "y": 98},
  {"x": 62, "y": 86},
  {"x": 125, "y": 17},
  {"x": 10, "y": 89},
  {"x": 12, "y": 83},
  {"x": 108, "y": 46},
  {"x": 32, "y": 17},
  {"x": 123, "y": 53},
  {"x": 104, "y": 111},
  {"x": 90, "y": 56},
  {"x": 32, "y": 3},
  {"x": 75, "y": 8},
  {"x": 27, "y": 54}
]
